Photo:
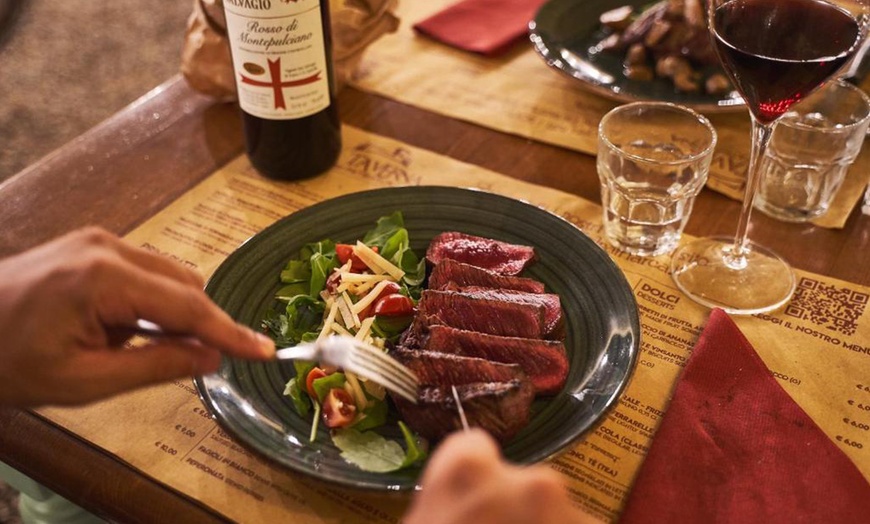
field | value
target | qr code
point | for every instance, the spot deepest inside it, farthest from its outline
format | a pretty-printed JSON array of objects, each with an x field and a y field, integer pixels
[{"x": 828, "y": 306}]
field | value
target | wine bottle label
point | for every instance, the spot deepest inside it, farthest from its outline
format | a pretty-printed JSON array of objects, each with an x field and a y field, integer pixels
[{"x": 279, "y": 57}]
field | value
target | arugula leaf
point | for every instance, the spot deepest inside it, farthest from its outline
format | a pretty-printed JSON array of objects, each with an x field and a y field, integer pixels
[
  {"x": 324, "y": 384},
  {"x": 278, "y": 327},
  {"x": 390, "y": 327},
  {"x": 296, "y": 271},
  {"x": 321, "y": 267},
  {"x": 395, "y": 245},
  {"x": 414, "y": 268},
  {"x": 370, "y": 451},
  {"x": 300, "y": 401},
  {"x": 295, "y": 388},
  {"x": 324, "y": 247},
  {"x": 375, "y": 415},
  {"x": 386, "y": 227},
  {"x": 416, "y": 452},
  {"x": 304, "y": 315}
]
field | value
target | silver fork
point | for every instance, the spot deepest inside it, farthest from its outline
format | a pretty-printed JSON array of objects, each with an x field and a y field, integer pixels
[
  {"x": 341, "y": 351},
  {"x": 360, "y": 358}
]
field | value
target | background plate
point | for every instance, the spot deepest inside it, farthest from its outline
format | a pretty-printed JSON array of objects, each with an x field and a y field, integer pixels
[
  {"x": 601, "y": 316},
  {"x": 565, "y": 32}
]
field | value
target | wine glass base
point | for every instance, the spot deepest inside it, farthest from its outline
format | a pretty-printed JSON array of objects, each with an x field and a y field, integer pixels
[{"x": 708, "y": 272}]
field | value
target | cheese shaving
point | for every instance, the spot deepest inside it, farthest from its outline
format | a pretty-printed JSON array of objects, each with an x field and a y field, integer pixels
[
  {"x": 363, "y": 277},
  {"x": 376, "y": 262},
  {"x": 356, "y": 390},
  {"x": 354, "y": 318},
  {"x": 329, "y": 322},
  {"x": 337, "y": 328},
  {"x": 344, "y": 310},
  {"x": 365, "y": 328}
]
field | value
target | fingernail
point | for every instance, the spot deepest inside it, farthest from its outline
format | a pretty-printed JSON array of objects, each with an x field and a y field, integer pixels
[{"x": 267, "y": 345}]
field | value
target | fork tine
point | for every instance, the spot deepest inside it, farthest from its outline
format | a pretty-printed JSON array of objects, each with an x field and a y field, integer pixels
[
  {"x": 361, "y": 358},
  {"x": 403, "y": 390},
  {"x": 398, "y": 384},
  {"x": 386, "y": 360}
]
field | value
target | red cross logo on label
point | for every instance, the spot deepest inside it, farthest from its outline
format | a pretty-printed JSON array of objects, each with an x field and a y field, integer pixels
[{"x": 276, "y": 84}]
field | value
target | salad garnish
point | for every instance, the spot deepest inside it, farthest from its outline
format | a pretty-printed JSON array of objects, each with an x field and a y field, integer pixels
[{"x": 367, "y": 290}]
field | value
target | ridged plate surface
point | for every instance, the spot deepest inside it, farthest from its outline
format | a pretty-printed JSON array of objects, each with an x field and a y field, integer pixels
[{"x": 601, "y": 316}]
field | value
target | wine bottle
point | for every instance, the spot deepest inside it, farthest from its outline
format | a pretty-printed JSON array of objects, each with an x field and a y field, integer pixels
[{"x": 282, "y": 56}]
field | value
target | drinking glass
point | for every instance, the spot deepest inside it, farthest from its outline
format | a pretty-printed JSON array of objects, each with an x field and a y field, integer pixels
[
  {"x": 775, "y": 52},
  {"x": 653, "y": 159}
]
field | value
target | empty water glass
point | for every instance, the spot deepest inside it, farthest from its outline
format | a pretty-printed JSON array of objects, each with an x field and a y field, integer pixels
[{"x": 653, "y": 160}]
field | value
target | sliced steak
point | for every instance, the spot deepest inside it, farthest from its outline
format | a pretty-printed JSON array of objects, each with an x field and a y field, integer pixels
[
  {"x": 480, "y": 313},
  {"x": 501, "y": 408},
  {"x": 554, "y": 328},
  {"x": 449, "y": 274},
  {"x": 544, "y": 361},
  {"x": 500, "y": 257},
  {"x": 442, "y": 369}
]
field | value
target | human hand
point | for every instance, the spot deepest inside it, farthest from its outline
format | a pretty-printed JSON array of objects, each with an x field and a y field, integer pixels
[
  {"x": 63, "y": 304},
  {"x": 467, "y": 481}
]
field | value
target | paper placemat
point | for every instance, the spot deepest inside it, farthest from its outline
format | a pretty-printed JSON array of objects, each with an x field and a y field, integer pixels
[
  {"x": 519, "y": 94},
  {"x": 818, "y": 348}
]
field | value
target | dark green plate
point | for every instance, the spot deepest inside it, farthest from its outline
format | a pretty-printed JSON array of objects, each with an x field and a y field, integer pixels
[
  {"x": 566, "y": 32},
  {"x": 603, "y": 329}
]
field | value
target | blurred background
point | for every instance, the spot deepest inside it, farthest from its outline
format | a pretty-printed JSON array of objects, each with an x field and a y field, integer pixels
[{"x": 67, "y": 65}]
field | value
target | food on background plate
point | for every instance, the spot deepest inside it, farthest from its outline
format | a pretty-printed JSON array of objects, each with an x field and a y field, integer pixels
[
  {"x": 669, "y": 40},
  {"x": 501, "y": 350}
]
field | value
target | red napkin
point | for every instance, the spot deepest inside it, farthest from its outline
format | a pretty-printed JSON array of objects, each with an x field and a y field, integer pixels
[
  {"x": 734, "y": 447},
  {"x": 488, "y": 27}
]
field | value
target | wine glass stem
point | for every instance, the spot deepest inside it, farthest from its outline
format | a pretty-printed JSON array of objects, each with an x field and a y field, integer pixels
[{"x": 760, "y": 139}]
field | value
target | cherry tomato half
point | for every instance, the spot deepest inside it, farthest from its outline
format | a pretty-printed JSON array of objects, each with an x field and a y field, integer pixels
[
  {"x": 390, "y": 288},
  {"x": 313, "y": 375},
  {"x": 394, "y": 305},
  {"x": 338, "y": 408},
  {"x": 345, "y": 253}
]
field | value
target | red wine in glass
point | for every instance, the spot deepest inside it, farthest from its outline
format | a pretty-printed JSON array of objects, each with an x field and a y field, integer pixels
[{"x": 778, "y": 51}]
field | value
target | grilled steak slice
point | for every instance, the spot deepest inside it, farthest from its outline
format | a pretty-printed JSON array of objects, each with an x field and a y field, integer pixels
[
  {"x": 501, "y": 408},
  {"x": 553, "y": 324},
  {"x": 544, "y": 361},
  {"x": 449, "y": 274},
  {"x": 480, "y": 313},
  {"x": 442, "y": 369},
  {"x": 499, "y": 257}
]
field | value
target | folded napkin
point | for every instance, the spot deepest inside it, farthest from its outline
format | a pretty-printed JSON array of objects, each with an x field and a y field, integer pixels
[
  {"x": 734, "y": 447},
  {"x": 488, "y": 27}
]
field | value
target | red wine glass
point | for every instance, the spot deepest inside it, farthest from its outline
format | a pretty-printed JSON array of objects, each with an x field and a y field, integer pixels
[{"x": 776, "y": 52}]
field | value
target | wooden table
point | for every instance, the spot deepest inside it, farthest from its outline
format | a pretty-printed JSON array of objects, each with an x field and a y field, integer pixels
[{"x": 129, "y": 167}]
